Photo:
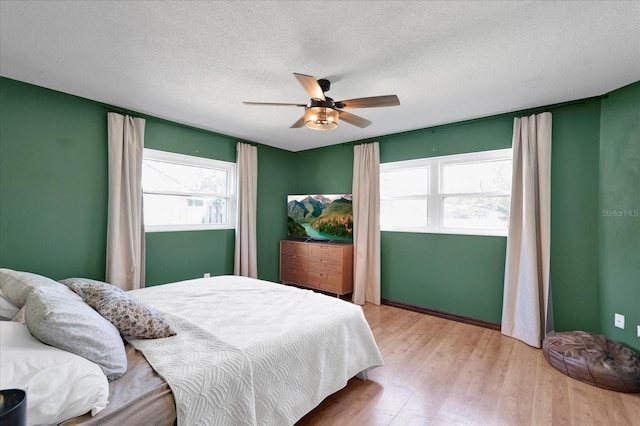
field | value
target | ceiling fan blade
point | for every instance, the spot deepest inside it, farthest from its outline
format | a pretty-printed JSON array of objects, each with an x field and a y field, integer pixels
[
  {"x": 353, "y": 119},
  {"x": 273, "y": 104},
  {"x": 299, "y": 123},
  {"x": 311, "y": 85},
  {"x": 370, "y": 102}
]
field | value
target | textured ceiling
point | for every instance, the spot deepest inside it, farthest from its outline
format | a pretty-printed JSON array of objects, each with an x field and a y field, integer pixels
[{"x": 194, "y": 62}]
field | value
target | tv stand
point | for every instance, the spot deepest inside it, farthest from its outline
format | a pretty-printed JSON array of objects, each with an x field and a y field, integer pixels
[
  {"x": 317, "y": 265},
  {"x": 317, "y": 240}
]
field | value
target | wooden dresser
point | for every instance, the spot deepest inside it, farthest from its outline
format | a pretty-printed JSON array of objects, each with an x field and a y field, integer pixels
[{"x": 317, "y": 265}]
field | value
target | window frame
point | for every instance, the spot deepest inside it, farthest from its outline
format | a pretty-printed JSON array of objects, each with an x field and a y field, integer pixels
[
  {"x": 435, "y": 197},
  {"x": 190, "y": 160}
]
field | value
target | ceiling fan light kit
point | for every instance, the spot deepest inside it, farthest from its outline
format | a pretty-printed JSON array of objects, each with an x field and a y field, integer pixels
[
  {"x": 321, "y": 118},
  {"x": 323, "y": 112}
]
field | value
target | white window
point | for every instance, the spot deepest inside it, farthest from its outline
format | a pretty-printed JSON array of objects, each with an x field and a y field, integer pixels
[
  {"x": 457, "y": 194},
  {"x": 182, "y": 192}
]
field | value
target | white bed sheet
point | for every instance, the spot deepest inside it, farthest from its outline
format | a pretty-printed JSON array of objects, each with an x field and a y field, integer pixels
[{"x": 254, "y": 352}]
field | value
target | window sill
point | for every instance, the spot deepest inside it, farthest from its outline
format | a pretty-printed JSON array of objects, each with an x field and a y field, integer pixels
[
  {"x": 476, "y": 232},
  {"x": 178, "y": 228}
]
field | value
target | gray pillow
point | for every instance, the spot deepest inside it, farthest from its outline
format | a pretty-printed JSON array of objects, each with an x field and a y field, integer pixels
[
  {"x": 59, "y": 319},
  {"x": 131, "y": 316},
  {"x": 17, "y": 285}
]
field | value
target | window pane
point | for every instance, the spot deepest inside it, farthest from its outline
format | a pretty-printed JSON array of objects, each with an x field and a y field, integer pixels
[
  {"x": 410, "y": 213},
  {"x": 163, "y": 176},
  {"x": 404, "y": 182},
  {"x": 485, "y": 176},
  {"x": 178, "y": 210},
  {"x": 476, "y": 212}
]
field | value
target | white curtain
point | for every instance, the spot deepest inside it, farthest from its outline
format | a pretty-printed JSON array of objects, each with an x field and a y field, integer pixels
[
  {"x": 125, "y": 228},
  {"x": 366, "y": 223},
  {"x": 246, "y": 263},
  {"x": 525, "y": 310}
]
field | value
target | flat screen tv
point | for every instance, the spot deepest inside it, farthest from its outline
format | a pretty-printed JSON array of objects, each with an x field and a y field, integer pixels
[{"x": 320, "y": 217}]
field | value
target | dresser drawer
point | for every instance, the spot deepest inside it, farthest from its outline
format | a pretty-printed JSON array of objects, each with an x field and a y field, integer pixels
[
  {"x": 326, "y": 282},
  {"x": 291, "y": 247},
  {"x": 294, "y": 261},
  {"x": 293, "y": 274},
  {"x": 320, "y": 264},
  {"x": 325, "y": 251}
]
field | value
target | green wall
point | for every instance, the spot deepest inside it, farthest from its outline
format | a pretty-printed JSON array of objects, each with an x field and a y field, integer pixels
[
  {"x": 53, "y": 191},
  {"x": 619, "y": 214},
  {"x": 53, "y": 203},
  {"x": 53, "y": 182},
  {"x": 175, "y": 256},
  {"x": 457, "y": 274},
  {"x": 574, "y": 216},
  {"x": 324, "y": 170},
  {"x": 276, "y": 179},
  {"x": 463, "y": 274}
]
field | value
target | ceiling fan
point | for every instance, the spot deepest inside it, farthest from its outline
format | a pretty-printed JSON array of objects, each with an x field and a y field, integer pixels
[{"x": 323, "y": 113}]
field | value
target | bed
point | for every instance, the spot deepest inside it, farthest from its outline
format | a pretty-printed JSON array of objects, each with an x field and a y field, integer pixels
[{"x": 245, "y": 352}]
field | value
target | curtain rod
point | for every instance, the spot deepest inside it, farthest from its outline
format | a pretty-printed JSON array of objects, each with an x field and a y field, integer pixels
[
  {"x": 111, "y": 108},
  {"x": 433, "y": 129}
]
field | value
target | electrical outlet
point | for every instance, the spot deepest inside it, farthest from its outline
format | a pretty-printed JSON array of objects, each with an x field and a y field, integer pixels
[
  {"x": 619, "y": 321},
  {"x": 207, "y": 275},
  {"x": 639, "y": 331}
]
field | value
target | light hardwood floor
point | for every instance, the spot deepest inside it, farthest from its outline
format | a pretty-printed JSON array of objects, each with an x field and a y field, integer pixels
[{"x": 441, "y": 372}]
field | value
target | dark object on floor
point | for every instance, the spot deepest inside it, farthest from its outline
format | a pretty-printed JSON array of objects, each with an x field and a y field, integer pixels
[
  {"x": 13, "y": 407},
  {"x": 593, "y": 359}
]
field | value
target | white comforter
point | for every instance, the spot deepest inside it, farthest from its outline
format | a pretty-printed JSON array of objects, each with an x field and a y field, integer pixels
[{"x": 254, "y": 352}]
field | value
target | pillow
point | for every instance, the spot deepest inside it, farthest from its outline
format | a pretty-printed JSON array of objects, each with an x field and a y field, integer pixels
[
  {"x": 7, "y": 309},
  {"x": 59, "y": 384},
  {"x": 131, "y": 316},
  {"x": 16, "y": 285},
  {"x": 59, "y": 319}
]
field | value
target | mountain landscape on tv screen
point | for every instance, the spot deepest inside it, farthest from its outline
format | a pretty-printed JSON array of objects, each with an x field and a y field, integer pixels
[{"x": 318, "y": 216}]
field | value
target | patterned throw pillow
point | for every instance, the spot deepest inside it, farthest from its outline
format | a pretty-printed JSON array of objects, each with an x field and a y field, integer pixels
[{"x": 131, "y": 316}]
